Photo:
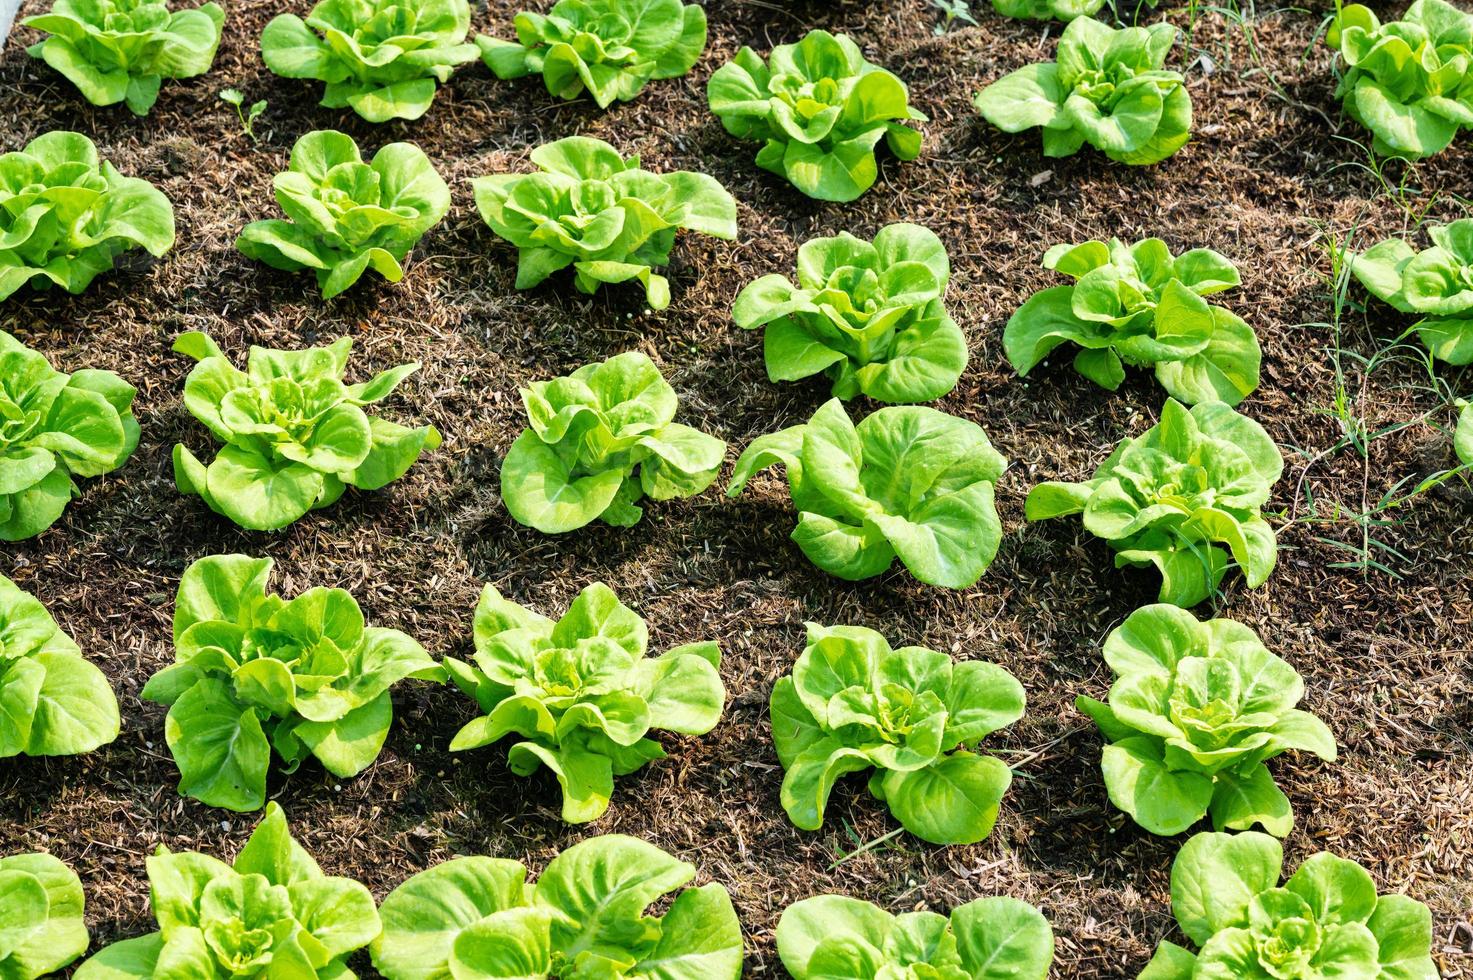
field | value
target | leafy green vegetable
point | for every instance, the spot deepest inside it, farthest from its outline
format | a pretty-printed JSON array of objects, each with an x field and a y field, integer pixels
[
  {"x": 590, "y": 431},
  {"x": 582, "y": 693},
  {"x": 254, "y": 672},
  {"x": 1139, "y": 305},
  {"x": 852, "y": 703},
  {"x": 1410, "y": 82},
  {"x": 295, "y": 435},
  {"x": 820, "y": 109},
  {"x": 1107, "y": 88},
  {"x": 591, "y": 209},
  {"x": 54, "y": 427},
  {"x": 1435, "y": 283},
  {"x": 65, "y": 216},
  {"x": 247, "y": 117},
  {"x": 907, "y": 481},
  {"x": 1325, "y": 921},
  {"x": 347, "y": 216},
  {"x": 831, "y": 936},
  {"x": 270, "y": 914},
  {"x": 381, "y": 58},
  {"x": 1195, "y": 711},
  {"x": 1195, "y": 480},
  {"x": 54, "y": 701},
  {"x": 121, "y": 50},
  {"x": 871, "y": 317},
  {"x": 476, "y": 918},
  {"x": 41, "y": 927},
  {"x": 611, "y": 48},
  {"x": 1047, "y": 9}
]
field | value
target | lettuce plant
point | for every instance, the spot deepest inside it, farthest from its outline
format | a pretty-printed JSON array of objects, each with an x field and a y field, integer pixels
[
  {"x": 55, "y": 701},
  {"x": 611, "y": 48},
  {"x": 270, "y": 913},
  {"x": 1107, "y": 88},
  {"x": 869, "y": 316},
  {"x": 121, "y": 50},
  {"x": 1325, "y": 921},
  {"x": 65, "y": 216},
  {"x": 1195, "y": 711},
  {"x": 1065, "y": 10},
  {"x": 591, "y": 430},
  {"x": 907, "y": 481},
  {"x": 254, "y": 672},
  {"x": 1139, "y": 305},
  {"x": 852, "y": 703},
  {"x": 1194, "y": 481},
  {"x": 819, "y": 109},
  {"x": 830, "y": 936},
  {"x": 589, "y": 208},
  {"x": 1410, "y": 81},
  {"x": 476, "y": 918},
  {"x": 381, "y": 58},
  {"x": 55, "y": 427},
  {"x": 41, "y": 927},
  {"x": 295, "y": 435},
  {"x": 1434, "y": 283},
  {"x": 1463, "y": 436},
  {"x": 581, "y": 693},
  {"x": 345, "y": 216}
]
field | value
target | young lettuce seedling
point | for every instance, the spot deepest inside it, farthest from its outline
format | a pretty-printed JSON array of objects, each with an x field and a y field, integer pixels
[
  {"x": 852, "y": 703},
  {"x": 1325, "y": 921},
  {"x": 871, "y": 317},
  {"x": 819, "y": 109},
  {"x": 609, "y": 48},
  {"x": 1434, "y": 283},
  {"x": 831, "y": 936},
  {"x": 1195, "y": 711},
  {"x": 1184, "y": 496},
  {"x": 477, "y": 918}
]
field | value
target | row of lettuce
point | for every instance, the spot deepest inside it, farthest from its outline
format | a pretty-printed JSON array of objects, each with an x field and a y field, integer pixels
[
  {"x": 1196, "y": 710},
  {"x": 273, "y": 912},
  {"x": 818, "y": 107}
]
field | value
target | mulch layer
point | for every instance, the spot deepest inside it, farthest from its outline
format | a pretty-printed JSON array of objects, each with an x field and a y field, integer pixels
[{"x": 1273, "y": 176}]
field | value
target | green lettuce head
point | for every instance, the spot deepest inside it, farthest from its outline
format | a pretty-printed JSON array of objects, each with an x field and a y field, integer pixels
[
  {"x": 1435, "y": 284},
  {"x": 907, "y": 482},
  {"x": 255, "y": 673},
  {"x": 296, "y": 436},
  {"x": 41, "y": 927},
  {"x": 610, "y": 48},
  {"x": 270, "y": 913},
  {"x": 1107, "y": 88},
  {"x": 1064, "y": 10},
  {"x": 1463, "y": 436},
  {"x": 820, "y": 109},
  {"x": 1139, "y": 305},
  {"x": 589, "y": 208},
  {"x": 1410, "y": 82},
  {"x": 381, "y": 58},
  {"x": 477, "y": 918},
  {"x": 66, "y": 216},
  {"x": 581, "y": 693},
  {"x": 831, "y": 936},
  {"x": 1195, "y": 711},
  {"x": 590, "y": 432},
  {"x": 1183, "y": 497},
  {"x": 1325, "y": 921},
  {"x": 871, "y": 317},
  {"x": 55, "y": 427},
  {"x": 912, "y": 715},
  {"x": 345, "y": 216},
  {"x": 121, "y": 50},
  {"x": 55, "y": 702}
]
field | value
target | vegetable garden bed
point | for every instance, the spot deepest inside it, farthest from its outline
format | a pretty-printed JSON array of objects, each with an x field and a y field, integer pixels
[{"x": 1373, "y": 607}]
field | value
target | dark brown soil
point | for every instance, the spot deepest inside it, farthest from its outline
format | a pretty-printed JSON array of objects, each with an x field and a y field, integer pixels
[{"x": 1271, "y": 177}]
